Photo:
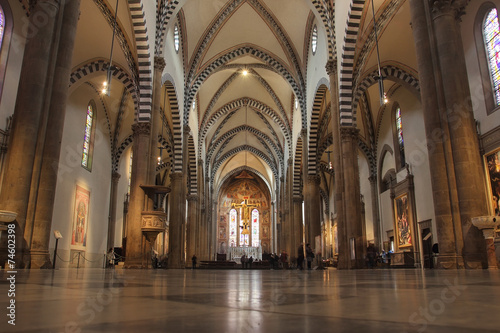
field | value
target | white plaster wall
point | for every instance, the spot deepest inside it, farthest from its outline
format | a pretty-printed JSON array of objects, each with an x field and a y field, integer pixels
[
  {"x": 415, "y": 154},
  {"x": 14, "y": 63},
  {"x": 71, "y": 173}
]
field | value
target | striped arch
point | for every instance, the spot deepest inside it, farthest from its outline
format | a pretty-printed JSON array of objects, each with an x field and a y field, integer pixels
[
  {"x": 392, "y": 72},
  {"x": 347, "y": 64},
  {"x": 167, "y": 145},
  {"x": 192, "y": 179},
  {"x": 326, "y": 11},
  {"x": 297, "y": 169},
  {"x": 229, "y": 135},
  {"x": 326, "y": 142},
  {"x": 176, "y": 125},
  {"x": 240, "y": 169},
  {"x": 270, "y": 162},
  {"x": 165, "y": 11},
  {"x": 143, "y": 58},
  {"x": 239, "y": 103},
  {"x": 102, "y": 66},
  {"x": 325, "y": 198},
  {"x": 119, "y": 151},
  {"x": 370, "y": 156},
  {"x": 312, "y": 159},
  {"x": 237, "y": 53}
]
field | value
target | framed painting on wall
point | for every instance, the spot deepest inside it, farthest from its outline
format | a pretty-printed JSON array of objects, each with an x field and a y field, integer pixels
[
  {"x": 80, "y": 217},
  {"x": 493, "y": 173},
  {"x": 403, "y": 221}
]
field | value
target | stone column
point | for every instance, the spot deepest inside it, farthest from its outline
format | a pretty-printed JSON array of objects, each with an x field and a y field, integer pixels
[
  {"x": 465, "y": 147},
  {"x": 192, "y": 227},
  {"x": 352, "y": 194},
  {"x": 44, "y": 205},
  {"x": 312, "y": 205},
  {"x": 156, "y": 120},
  {"x": 298, "y": 228},
  {"x": 443, "y": 181},
  {"x": 176, "y": 233},
  {"x": 27, "y": 115},
  {"x": 135, "y": 240},
  {"x": 343, "y": 246},
  {"x": 375, "y": 212},
  {"x": 115, "y": 177}
]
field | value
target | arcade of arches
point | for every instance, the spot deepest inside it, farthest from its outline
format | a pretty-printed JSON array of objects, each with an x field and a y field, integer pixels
[{"x": 215, "y": 128}]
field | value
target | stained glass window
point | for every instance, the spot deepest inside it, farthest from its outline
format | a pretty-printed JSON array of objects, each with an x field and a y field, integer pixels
[
  {"x": 491, "y": 34},
  {"x": 176, "y": 38},
  {"x": 130, "y": 171},
  {"x": 244, "y": 238},
  {"x": 314, "y": 40},
  {"x": 233, "y": 232},
  {"x": 88, "y": 138},
  {"x": 399, "y": 129},
  {"x": 2, "y": 25},
  {"x": 255, "y": 228}
]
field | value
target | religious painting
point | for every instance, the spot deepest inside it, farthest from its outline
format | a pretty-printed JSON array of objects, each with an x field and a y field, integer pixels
[
  {"x": 265, "y": 232},
  {"x": 403, "y": 222},
  {"x": 222, "y": 232},
  {"x": 493, "y": 165},
  {"x": 81, "y": 217}
]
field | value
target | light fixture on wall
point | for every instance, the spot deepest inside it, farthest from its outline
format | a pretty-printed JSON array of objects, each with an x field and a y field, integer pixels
[
  {"x": 106, "y": 86},
  {"x": 383, "y": 96}
]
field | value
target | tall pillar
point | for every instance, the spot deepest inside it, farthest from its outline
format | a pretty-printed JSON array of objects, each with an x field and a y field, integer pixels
[
  {"x": 312, "y": 205},
  {"x": 343, "y": 244},
  {"x": 298, "y": 228},
  {"x": 135, "y": 240},
  {"x": 459, "y": 115},
  {"x": 443, "y": 180},
  {"x": 44, "y": 202},
  {"x": 115, "y": 177},
  {"x": 156, "y": 120},
  {"x": 176, "y": 233},
  {"x": 192, "y": 227},
  {"x": 375, "y": 212},
  {"x": 349, "y": 136},
  {"x": 27, "y": 115}
]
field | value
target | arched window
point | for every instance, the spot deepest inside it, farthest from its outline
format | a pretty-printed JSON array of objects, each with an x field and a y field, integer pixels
[
  {"x": 177, "y": 41},
  {"x": 255, "y": 228},
  {"x": 2, "y": 26},
  {"x": 88, "y": 137},
  {"x": 491, "y": 34},
  {"x": 314, "y": 40},
  {"x": 130, "y": 170},
  {"x": 244, "y": 237},
  {"x": 400, "y": 139},
  {"x": 233, "y": 228}
]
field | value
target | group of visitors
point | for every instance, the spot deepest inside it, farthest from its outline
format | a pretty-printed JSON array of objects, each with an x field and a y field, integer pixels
[
  {"x": 309, "y": 256},
  {"x": 279, "y": 261},
  {"x": 246, "y": 262}
]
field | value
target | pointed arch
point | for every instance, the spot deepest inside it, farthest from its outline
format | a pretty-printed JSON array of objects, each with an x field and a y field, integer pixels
[
  {"x": 171, "y": 95},
  {"x": 233, "y": 54},
  {"x": 297, "y": 169},
  {"x": 145, "y": 76},
  {"x": 318, "y": 102},
  {"x": 347, "y": 63},
  {"x": 193, "y": 180}
]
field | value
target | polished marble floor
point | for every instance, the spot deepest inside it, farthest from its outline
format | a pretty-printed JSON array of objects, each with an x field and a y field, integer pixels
[{"x": 109, "y": 300}]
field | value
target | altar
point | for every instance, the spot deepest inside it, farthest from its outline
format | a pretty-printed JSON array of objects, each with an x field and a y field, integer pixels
[{"x": 235, "y": 253}]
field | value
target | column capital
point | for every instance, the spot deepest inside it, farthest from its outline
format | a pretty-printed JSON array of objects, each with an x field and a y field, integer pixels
[
  {"x": 313, "y": 179},
  {"x": 192, "y": 198},
  {"x": 115, "y": 177},
  {"x": 303, "y": 132},
  {"x": 448, "y": 7},
  {"x": 160, "y": 63},
  {"x": 351, "y": 133},
  {"x": 176, "y": 176},
  {"x": 290, "y": 161},
  {"x": 141, "y": 128},
  {"x": 298, "y": 199},
  {"x": 331, "y": 67},
  {"x": 372, "y": 179},
  {"x": 186, "y": 129},
  {"x": 200, "y": 162}
]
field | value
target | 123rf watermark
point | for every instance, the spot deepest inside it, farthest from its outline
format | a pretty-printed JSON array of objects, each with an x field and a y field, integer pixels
[{"x": 11, "y": 273}]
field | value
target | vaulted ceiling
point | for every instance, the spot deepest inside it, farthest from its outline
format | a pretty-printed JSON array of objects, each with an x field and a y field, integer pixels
[{"x": 250, "y": 119}]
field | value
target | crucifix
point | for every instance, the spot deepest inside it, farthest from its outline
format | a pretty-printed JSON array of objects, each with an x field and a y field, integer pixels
[{"x": 245, "y": 214}]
